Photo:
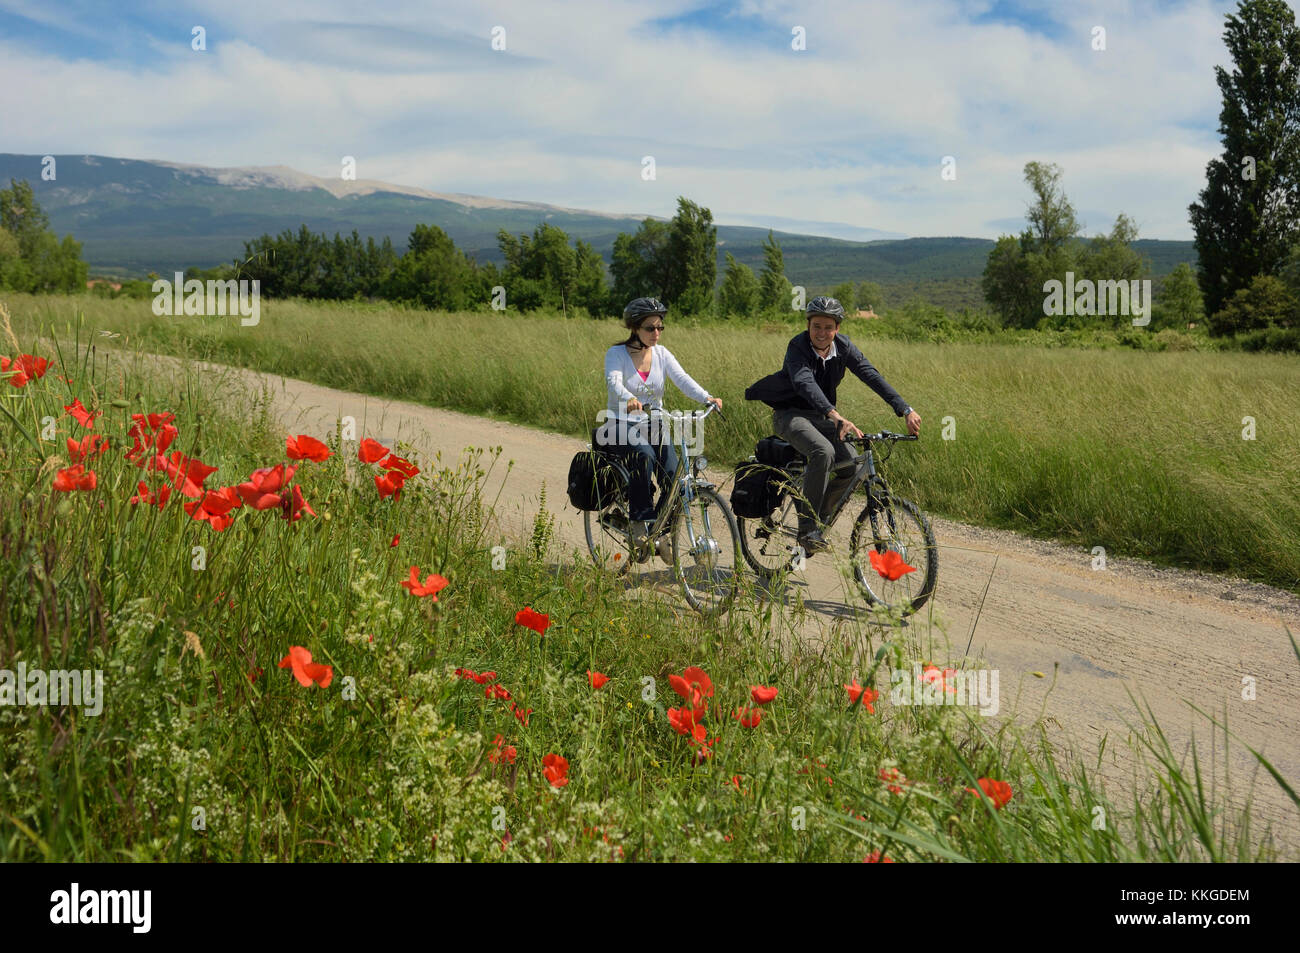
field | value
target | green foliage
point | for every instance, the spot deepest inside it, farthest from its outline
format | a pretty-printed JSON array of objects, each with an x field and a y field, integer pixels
[
  {"x": 692, "y": 259},
  {"x": 639, "y": 266},
  {"x": 773, "y": 285},
  {"x": 545, "y": 272},
  {"x": 305, "y": 264},
  {"x": 1248, "y": 215},
  {"x": 739, "y": 293},
  {"x": 32, "y": 258},
  {"x": 844, "y": 293},
  {"x": 1266, "y": 303},
  {"x": 869, "y": 296},
  {"x": 1179, "y": 302},
  {"x": 434, "y": 273},
  {"x": 1018, "y": 269}
]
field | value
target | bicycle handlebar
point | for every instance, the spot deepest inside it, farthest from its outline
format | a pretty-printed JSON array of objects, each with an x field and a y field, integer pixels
[{"x": 867, "y": 438}]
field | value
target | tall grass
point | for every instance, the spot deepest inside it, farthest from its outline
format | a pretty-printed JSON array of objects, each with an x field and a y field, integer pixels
[
  {"x": 207, "y": 750},
  {"x": 1141, "y": 453}
]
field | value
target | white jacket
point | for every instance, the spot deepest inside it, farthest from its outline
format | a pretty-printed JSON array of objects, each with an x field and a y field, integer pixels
[{"x": 623, "y": 382}]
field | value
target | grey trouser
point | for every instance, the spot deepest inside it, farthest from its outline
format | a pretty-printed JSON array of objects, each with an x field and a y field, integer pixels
[{"x": 817, "y": 439}]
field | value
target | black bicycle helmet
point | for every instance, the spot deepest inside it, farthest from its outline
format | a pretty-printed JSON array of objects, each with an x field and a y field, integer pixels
[
  {"x": 638, "y": 308},
  {"x": 826, "y": 306}
]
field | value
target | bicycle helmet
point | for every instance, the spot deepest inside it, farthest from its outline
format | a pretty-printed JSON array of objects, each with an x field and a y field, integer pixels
[
  {"x": 638, "y": 308},
  {"x": 825, "y": 306}
]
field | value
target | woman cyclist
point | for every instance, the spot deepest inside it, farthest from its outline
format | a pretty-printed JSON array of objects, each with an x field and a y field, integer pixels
[{"x": 636, "y": 371}]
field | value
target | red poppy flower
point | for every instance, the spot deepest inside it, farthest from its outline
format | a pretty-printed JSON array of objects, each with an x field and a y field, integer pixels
[
  {"x": 75, "y": 478},
  {"x": 255, "y": 674},
  {"x": 875, "y": 858},
  {"x": 556, "y": 770},
  {"x": 868, "y": 695},
  {"x": 686, "y": 721},
  {"x": 389, "y": 483},
  {"x": 306, "y": 671},
  {"x": 187, "y": 473},
  {"x": 503, "y": 752},
  {"x": 371, "y": 451},
  {"x": 262, "y": 491},
  {"x": 520, "y": 714},
  {"x": 999, "y": 792},
  {"x": 890, "y": 565},
  {"x": 539, "y": 622},
  {"x": 735, "y": 781},
  {"x": 893, "y": 780},
  {"x": 91, "y": 445},
  {"x": 214, "y": 508},
  {"x": 431, "y": 586},
  {"x": 943, "y": 679},
  {"x": 396, "y": 538},
  {"x": 146, "y": 496},
  {"x": 303, "y": 447},
  {"x": 749, "y": 717},
  {"x": 401, "y": 465},
  {"x": 762, "y": 695},
  {"x": 81, "y": 414},
  {"x": 497, "y": 691},
  {"x": 596, "y": 679},
  {"x": 26, "y": 367},
  {"x": 295, "y": 505},
  {"x": 692, "y": 684}
]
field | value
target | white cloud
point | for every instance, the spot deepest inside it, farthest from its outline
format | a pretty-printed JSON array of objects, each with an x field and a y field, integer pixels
[{"x": 851, "y": 130}]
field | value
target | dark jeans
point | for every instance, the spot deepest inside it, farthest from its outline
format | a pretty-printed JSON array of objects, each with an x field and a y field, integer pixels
[
  {"x": 640, "y": 459},
  {"x": 818, "y": 440}
]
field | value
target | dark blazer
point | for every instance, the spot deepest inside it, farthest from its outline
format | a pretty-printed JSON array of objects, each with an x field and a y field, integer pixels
[{"x": 808, "y": 383}]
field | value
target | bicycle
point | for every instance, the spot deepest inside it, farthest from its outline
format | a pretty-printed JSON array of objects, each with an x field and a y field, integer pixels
[
  {"x": 692, "y": 516},
  {"x": 888, "y": 523}
]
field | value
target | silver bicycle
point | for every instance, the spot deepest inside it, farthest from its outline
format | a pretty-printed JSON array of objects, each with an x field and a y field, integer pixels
[{"x": 706, "y": 547}]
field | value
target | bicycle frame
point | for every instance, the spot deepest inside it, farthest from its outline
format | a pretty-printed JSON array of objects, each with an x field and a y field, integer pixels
[{"x": 864, "y": 472}]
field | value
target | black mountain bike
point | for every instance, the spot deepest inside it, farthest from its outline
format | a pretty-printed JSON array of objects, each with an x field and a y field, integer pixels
[{"x": 888, "y": 523}]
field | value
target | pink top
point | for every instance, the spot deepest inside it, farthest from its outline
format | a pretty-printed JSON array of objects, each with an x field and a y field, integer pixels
[{"x": 644, "y": 374}]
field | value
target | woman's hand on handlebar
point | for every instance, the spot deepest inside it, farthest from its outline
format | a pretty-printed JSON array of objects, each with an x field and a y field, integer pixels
[{"x": 633, "y": 405}]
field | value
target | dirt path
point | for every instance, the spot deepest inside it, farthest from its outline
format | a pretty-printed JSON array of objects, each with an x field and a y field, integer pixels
[{"x": 1165, "y": 635}]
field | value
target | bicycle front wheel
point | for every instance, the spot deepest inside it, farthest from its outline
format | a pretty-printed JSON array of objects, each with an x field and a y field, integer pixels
[
  {"x": 706, "y": 552},
  {"x": 895, "y": 526}
]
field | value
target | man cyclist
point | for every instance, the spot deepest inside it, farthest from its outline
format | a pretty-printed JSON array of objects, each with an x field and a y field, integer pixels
[{"x": 802, "y": 396}]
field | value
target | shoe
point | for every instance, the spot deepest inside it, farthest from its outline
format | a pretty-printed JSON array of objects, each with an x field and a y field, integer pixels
[
  {"x": 640, "y": 540},
  {"x": 813, "y": 542},
  {"x": 664, "y": 547}
]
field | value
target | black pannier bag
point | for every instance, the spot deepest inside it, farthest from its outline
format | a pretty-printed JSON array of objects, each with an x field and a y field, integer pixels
[
  {"x": 757, "y": 490},
  {"x": 775, "y": 452},
  {"x": 594, "y": 483}
]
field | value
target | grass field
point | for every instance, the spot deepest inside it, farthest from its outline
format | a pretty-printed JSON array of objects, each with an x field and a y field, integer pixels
[
  {"x": 1140, "y": 453},
  {"x": 206, "y": 749}
]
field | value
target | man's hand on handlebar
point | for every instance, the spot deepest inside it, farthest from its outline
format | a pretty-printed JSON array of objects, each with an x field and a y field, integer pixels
[
  {"x": 913, "y": 420},
  {"x": 845, "y": 425}
]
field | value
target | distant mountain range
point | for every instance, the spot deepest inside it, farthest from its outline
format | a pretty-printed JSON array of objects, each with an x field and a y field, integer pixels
[{"x": 135, "y": 216}]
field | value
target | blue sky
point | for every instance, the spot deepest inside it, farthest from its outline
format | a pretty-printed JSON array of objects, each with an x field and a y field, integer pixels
[{"x": 849, "y": 132}]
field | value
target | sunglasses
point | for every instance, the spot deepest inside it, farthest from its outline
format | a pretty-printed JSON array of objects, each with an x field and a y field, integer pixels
[{"x": 652, "y": 327}]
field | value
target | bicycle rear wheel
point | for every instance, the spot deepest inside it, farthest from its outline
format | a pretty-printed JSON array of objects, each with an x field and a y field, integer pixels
[
  {"x": 770, "y": 545},
  {"x": 707, "y": 557},
  {"x": 894, "y": 526},
  {"x": 607, "y": 537}
]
